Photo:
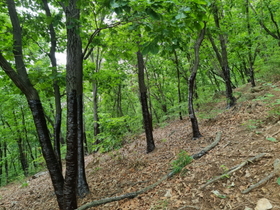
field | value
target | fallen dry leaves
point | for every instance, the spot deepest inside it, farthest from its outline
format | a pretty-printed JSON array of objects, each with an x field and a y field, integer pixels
[{"x": 245, "y": 129}]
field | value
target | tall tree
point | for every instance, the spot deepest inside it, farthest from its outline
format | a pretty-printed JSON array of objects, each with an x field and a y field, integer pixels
[
  {"x": 58, "y": 110},
  {"x": 144, "y": 103},
  {"x": 222, "y": 56},
  {"x": 21, "y": 80}
]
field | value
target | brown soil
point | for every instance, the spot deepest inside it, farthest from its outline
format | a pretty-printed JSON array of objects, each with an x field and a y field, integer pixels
[{"x": 245, "y": 129}]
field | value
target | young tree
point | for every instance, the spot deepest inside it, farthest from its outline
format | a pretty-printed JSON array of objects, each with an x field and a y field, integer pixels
[
  {"x": 194, "y": 68},
  {"x": 222, "y": 56}
]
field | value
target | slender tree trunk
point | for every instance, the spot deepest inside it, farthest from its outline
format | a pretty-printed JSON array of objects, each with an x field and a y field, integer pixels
[
  {"x": 21, "y": 80},
  {"x": 58, "y": 110},
  {"x": 222, "y": 58},
  {"x": 191, "y": 83},
  {"x": 82, "y": 185},
  {"x": 26, "y": 137},
  {"x": 96, "y": 127},
  {"x": 6, "y": 165},
  {"x": 144, "y": 103},
  {"x": 178, "y": 84},
  {"x": 1, "y": 162},
  {"x": 251, "y": 69},
  {"x": 22, "y": 152}
]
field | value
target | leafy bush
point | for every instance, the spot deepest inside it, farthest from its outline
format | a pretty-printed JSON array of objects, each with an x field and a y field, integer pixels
[{"x": 112, "y": 133}]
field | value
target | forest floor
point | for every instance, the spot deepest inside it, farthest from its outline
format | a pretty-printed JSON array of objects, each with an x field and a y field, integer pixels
[{"x": 250, "y": 128}]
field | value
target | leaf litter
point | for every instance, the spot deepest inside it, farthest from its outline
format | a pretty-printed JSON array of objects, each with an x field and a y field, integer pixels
[{"x": 245, "y": 129}]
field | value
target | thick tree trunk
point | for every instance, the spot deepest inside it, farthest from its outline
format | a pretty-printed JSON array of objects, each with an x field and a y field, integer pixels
[
  {"x": 144, "y": 103},
  {"x": 74, "y": 75},
  {"x": 191, "y": 83}
]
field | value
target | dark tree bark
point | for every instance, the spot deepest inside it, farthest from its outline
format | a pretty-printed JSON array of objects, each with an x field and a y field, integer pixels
[
  {"x": 1, "y": 163},
  {"x": 6, "y": 165},
  {"x": 250, "y": 45},
  {"x": 82, "y": 185},
  {"x": 144, "y": 103},
  {"x": 222, "y": 58},
  {"x": 21, "y": 80},
  {"x": 58, "y": 110},
  {"x": 75, "y": 168},
  {"x": 191, "y": 83},
  {"x": 26, "y": 138},
  {"x": 178, "y": 84},
  {"x": 22, "y": 152}
]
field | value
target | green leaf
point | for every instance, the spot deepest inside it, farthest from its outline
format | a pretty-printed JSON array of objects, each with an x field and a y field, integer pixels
[
  {"x": 278, "y": 181},
  {"x": 181, "y": 15},
  {"x": 153, "y": 14},
  {"x": 271, "y": 139}
]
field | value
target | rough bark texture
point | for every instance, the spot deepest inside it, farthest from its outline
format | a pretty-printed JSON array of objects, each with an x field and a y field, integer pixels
[
  {"x": 82, "y": 186},
  {"x": 74, "y": 77},
  {"x": 144, "y": 103},
  {"x": 191, "y": 84},
  {"x": 70, "y": 201}
]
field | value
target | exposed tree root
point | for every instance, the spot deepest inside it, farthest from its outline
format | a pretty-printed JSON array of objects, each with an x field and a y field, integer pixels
[
  {"x": 233, "y": 169},
  {"x": 134, "y": 194},
  {"x": 268, "y": 177}
]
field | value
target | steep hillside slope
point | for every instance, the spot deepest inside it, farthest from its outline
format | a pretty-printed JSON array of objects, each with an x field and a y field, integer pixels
[{"x": 250, "y": 128}]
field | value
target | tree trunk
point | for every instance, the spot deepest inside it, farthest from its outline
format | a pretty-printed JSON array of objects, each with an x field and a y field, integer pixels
[
  {"x": 178, "y": 84},
  {"x": 222, "y": 58},
  {"x": 251, "y": 62},
  {"x": 75, "y": 181},
  {"x": 26, "y": 138},
  {"x": 82, "y": 186},
  {"x": 144, "y": 103},
  {"x": 58, "y": 110},
  {"x": 191, "y": 83},
  {"x": 1, "y": 163},
  {"x": 21, "y": 80},
  {"x": 22, "y": 153}
]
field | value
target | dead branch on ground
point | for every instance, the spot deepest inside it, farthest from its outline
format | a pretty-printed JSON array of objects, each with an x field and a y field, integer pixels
[
  {"x": 233, "y": 169},
  {"x": 268, "y": 177},
  {"x": 134, "y": 194}
]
